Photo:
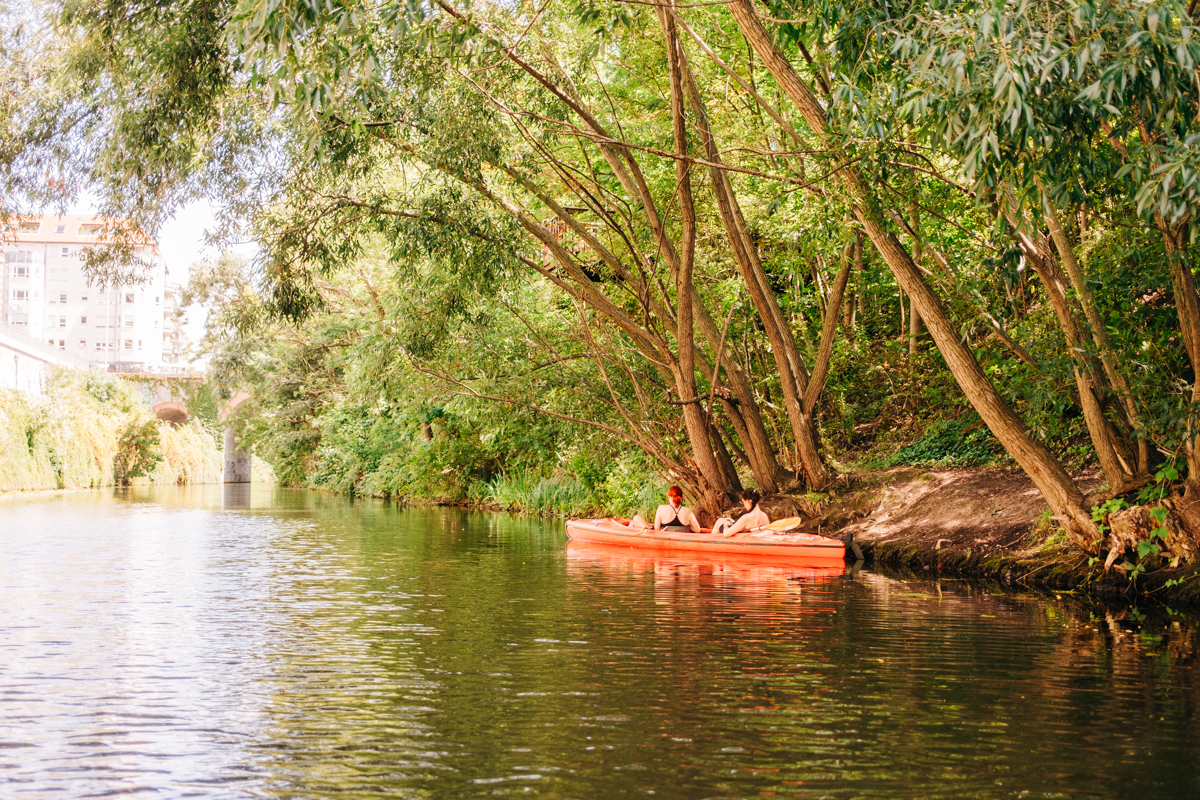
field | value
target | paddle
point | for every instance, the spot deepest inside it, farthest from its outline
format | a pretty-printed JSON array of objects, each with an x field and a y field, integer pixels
[{"x": 780, "y": 525}]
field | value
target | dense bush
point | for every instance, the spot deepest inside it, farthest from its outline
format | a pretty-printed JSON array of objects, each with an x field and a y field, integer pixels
[
  {"x": 139, "y": 450},
  {"x": 92, "y": 429}
]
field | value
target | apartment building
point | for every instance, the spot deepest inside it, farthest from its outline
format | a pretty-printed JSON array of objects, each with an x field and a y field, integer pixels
[{"x": 47, "y": 295}]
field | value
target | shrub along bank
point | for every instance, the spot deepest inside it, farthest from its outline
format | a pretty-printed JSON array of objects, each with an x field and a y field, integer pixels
[{"x": 91, "y": 430}]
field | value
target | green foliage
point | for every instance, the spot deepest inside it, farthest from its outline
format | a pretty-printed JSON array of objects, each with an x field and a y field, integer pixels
[
  {"x": 85, "y": 433},
  {"x": 950, "y": 442},
  {"x": 439, "y": 233},
  {"x": 1155, "y": 492},
  {"x": 522, "y": 492},
  {"x": 139, "y": 450},
  {"x": 1100, "y": 513}
]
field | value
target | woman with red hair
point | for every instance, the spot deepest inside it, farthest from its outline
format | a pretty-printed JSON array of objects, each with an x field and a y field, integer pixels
[{"x": 671, "y": 516}]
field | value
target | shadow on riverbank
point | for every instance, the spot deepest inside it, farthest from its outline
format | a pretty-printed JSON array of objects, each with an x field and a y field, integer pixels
[{"x": 987, "y": 523}]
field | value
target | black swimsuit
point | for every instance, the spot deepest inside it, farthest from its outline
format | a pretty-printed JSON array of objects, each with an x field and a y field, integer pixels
[{"x": 675, "y": 524}]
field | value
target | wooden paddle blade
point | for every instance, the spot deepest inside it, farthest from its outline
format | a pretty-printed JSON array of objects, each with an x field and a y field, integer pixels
[{"x": 785, "y": 524}]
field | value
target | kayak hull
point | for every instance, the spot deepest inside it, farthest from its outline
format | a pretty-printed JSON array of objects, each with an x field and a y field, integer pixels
[
  {"x": 767, "y": 572},
  {"x": 807, "y": 546}
]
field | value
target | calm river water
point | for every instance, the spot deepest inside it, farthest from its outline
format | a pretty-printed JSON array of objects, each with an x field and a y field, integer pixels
[{"x": 270, "y": 643}]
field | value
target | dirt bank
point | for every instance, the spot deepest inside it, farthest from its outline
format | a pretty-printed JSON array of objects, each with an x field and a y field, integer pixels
[{"x": 986, "y": 522}]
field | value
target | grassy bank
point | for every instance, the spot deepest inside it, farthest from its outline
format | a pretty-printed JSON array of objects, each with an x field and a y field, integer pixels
[{"x": 80, "y": 435}]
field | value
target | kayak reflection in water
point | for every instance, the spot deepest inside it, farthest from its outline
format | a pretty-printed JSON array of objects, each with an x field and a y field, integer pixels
[
  {"x": 671, "y": 516},
  {"x": 754, "y": 517}
]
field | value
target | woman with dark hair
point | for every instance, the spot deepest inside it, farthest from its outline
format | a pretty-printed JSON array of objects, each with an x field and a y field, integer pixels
[
  {"x": 671, "y": 516},
  {"x": 754, "y": 517}
]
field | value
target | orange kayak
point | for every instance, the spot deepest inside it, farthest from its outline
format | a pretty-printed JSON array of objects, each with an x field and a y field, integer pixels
[
  {"x": 743, "y": 569},
  {"x": 808, "y": 546}
]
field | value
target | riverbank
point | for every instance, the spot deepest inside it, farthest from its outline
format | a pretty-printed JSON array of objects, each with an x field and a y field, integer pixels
[
  {"x": 989, "y": 523},
  {"x": 91, "y": 430},
  {"x": 985, "y": 523}
]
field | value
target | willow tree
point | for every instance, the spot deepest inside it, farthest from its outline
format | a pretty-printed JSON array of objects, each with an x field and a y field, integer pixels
[
  {"x": 165, "y": 102},
  {"x": 1044, "y": 469}
]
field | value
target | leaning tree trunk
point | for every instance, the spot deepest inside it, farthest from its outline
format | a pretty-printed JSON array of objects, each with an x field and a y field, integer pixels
[
  {"x": 1104, "y": 440},
  {"x": 791, "y": 369},
  {"x": 914, "y": 316},
  {"x": 1046, "y": 472},
  {"x": 1116, "y": 378},
  {"x": 745, "y": 416},
  {"x": 712, "y": 484},
  {"x": 1187, "y": 306}
]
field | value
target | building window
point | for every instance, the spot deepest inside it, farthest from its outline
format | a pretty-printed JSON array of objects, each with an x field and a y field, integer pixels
[
  {"x": 62, "y": 344},
  {"x": 155, "y": 299},
  {"x": 99, "y": 346},
  {"x": 66, "y": 251},
  {"x": 83, "y": 298},
  {"x": 20, "y": 272},
  {"x": 129, "y": 322},
  {"x": 89, "y": 230},
  {"x": 20, "y": 295},
  {"x": 60, "y": 229},
  {"x": 30, "y": 227},
  {"x": 83, "y": 344},
  {"x": 83, "y": 320},
  {"x": 19, "y": 256},
  {"x": 62, "y": 298},
  {"x": 139, "y": 344},
  {"x": 62, "y": 322},
  {"x": 129, "y": 298},
  {"x": 51, "y": 341},
  {"x": 129, "y": 344}
]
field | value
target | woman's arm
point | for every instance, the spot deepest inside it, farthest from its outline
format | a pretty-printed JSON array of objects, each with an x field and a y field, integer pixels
[
  {"x": 748, "y": 521},
  {"x": 738, "y": 526}
]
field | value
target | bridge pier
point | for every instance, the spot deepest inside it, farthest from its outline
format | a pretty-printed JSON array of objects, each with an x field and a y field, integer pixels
[{"x": 237, "y": 461}]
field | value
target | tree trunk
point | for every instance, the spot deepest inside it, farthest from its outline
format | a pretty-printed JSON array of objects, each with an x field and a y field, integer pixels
[
  {"x": 1187, "y": 306},
  {"x": 768, "y": 474},
  {"x": 1116, "y": 468},
  {"x": 793, "y": 376},
  {"x": 1046, "y": 472},
  {"x": 733, "y": 483},
  {"x": 914, "y": 316},
  {"x": 1087, "y": 301},
  {"x": 816, "y": 383},
  {"x": 712, "y": 485}
]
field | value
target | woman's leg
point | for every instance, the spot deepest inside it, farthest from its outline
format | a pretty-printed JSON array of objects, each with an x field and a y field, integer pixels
[{"x": 638, "y": 522}]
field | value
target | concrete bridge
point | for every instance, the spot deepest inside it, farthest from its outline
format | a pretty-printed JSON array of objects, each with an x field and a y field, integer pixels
[
  {"x": 237, "y": 460},
  {"x": 170, "y": 405}
]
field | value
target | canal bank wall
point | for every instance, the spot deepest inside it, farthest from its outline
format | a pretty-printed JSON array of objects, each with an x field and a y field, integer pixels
[{"x": 68, "y": 436}]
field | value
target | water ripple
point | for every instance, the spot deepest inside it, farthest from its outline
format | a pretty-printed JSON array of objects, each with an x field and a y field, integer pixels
[{"x": 193, "y": 642}]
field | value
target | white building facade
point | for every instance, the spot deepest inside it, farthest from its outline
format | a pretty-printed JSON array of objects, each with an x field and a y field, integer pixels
[{"x": 47, "y": 295}]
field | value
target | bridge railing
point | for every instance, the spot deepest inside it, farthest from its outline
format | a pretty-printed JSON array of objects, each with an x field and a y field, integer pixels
[
  {"x": 141, "y": 369},
  {"x": 39, "y": 349}
]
